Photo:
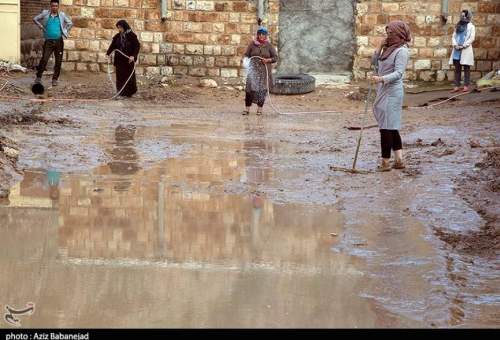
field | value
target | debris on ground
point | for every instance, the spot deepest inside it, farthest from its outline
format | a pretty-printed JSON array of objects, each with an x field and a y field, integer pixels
[
  {"x": 210, "y": 83},
  {"x": 9, "y": 67},
  {"x": 490, "y": 79},
  {"x": 438, "y": 142},
  {"x": 474, "y": 143}
]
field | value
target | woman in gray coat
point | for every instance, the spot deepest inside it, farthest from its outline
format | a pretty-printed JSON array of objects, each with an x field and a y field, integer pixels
[{"x": 392, "y": 59}]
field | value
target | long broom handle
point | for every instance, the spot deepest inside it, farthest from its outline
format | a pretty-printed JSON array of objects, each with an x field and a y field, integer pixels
[{"x": 362, "y": 126}]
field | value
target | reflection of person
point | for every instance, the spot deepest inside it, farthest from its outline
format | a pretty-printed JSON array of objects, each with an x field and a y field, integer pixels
[
  {"x": 462, "y": 54},
  {"x": 124, "y": 155},
  {"x": 257, "y": 83},
  {"x": 53, "y": 180},
  {"x": 392, "y": 59},
  {"x": 125, "y": 41},
  {"x": 56, "y": 26}
]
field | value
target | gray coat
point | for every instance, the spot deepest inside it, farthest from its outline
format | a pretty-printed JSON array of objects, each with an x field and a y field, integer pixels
[
  {"x": 41, "y": 21},
  {"x": 389, "y": 102}
]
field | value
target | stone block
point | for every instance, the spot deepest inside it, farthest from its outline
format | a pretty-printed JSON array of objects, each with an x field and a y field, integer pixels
[
  {"x": 229, "y": 73},
  {"x": 87, "y": 12},
  {"x": 194, "y": 49},
  {"x": 422, "y": 64}
]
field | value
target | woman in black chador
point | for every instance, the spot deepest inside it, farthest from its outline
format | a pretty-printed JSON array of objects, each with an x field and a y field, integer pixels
[{"x": 127, "y": 42}]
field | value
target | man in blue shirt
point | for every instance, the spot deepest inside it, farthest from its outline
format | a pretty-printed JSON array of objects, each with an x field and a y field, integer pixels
[{"x": 56, "y": 26}]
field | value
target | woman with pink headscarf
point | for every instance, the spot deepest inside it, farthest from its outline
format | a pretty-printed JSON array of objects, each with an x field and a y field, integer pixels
[{"x": 392, "y": 59}]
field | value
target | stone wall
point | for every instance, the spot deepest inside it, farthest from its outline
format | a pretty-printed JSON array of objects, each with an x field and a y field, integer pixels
[
  {"x": 208, "y": 38},
  {"x": 198, "y": 38},
  {"x": 31, "y": 36},
  {"x": 431, "y": 45}
]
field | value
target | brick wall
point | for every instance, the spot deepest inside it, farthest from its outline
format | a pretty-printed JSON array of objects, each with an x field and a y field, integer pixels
[
  {"x": 198, "y": 38},
  {"x": 431, "y": 45},
  {"x": 208, "y": 38},
  {"x": 31, "y": 37}
]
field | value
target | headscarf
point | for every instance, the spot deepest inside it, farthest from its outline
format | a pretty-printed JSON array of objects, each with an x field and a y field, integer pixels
[
  {"x": 123, "y": 35},
  {"x": 265, "y": 32},
  {"x": 399, "y": 36},
  {"x": 463, "y": 22}
]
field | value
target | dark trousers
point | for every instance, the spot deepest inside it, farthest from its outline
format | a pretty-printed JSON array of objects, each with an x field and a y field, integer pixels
[
  {"x": 458, "y": 73},
  {"x": 255, "y": 97},
  {"x": 390, "y": 140},
  {"x": 49, "y": 47}
]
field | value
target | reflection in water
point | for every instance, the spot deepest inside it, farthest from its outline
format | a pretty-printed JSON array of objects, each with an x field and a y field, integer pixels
[
  {"x": 169, "y": 252},
  {"x": 124, "y": 156}
]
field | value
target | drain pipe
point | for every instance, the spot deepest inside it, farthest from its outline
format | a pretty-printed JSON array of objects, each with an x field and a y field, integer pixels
[
  {"x": 260, "y": 9},
  {"x": 444, "y": 11},
  {"x": 164, "y": 10}
]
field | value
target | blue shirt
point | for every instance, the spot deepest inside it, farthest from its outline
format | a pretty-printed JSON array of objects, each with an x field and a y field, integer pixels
[
  {"x": 53, "y": 28},
  {"x": 460, "y": 37}
]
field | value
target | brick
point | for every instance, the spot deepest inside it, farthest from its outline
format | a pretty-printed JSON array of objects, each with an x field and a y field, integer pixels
[
  {"x": 178, "y": 48},
  {"x": 157, "y": 37},
  {"x": 390, "y": 7},
  {"x": 87, "y": 12},
  {"x": 69, "y": 44},
  {"x": 179, "y": 4},
  {"x": 221, "y": 61},
  {"x": 434, "y": 42},
  {"x": 205, "y": 5},
  {"x": 419, "y": 42},
  {"x": 228, "y": 50},
  {"x": 484, "y": 65},
  {"x": 166, "y": 70},
  {"x": 229, "y": 73},
  {"x": 94, "y": 45},
  {"x": 166, "y": 47},
  {"x": 81, "y": 67},
  {"x": 210, "y": 61},
  {"x": 235, "y": 39},
  {"x": 234, "y": 17},
  {"x": 173, "y": 61},
  {"x": 93, "y": 67},
  {"x": 180, "y": 70},
  {"x": 440, "y": 52},
  {"x": 73, "y": 56},
  {"x": 68, "y": 66},
  {"x": 198, "y": 61},
  {"x": 422, "y": 64},
  {"x": 81, "y": 44},
  {"x": 147, "y": 59},
  {"x": 218, "y": 27},
  {"x": 186, "y": 60},
  {"x": 194, "y": 49},
  {"x": 152, "y": 70},
  {"x": 217, "y": 50},
  {"x": 240, "y": 6},
  {"x": 121, "y": 3},
  {"x": 213, "y": 72},
  {"x": 436, "y": 65},
  {"x": 147, "y": 36},
  {"x": 362, "y": 40},
  {"x": 155, "y": 48},
  {"x": 208, "y": 50},
  {"x": 93, "y": 3}
]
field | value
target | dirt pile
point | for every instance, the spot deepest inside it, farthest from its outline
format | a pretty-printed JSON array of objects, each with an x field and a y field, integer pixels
[
  {"x": 480, "y": 188},
  {"x": 8, "y": 158}
]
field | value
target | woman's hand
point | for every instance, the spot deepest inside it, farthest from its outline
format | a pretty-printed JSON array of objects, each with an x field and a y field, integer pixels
[
  {"x": 376, "y": 79},
  {"x": 267, "y": 60},
  {"x": 131, "y": 59}
]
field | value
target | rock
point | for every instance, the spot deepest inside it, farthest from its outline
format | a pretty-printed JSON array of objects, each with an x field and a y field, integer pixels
[
  {"x": 10, "y": 152},
  {"x": 240, "y": 88},
  {"x": 474, "y": 143},
  {"x": 210, "y": 83},
  {"x": 165, "y": 85},
  {"x": 438, "y": 142},
  {"x": 164, "y": 80}
]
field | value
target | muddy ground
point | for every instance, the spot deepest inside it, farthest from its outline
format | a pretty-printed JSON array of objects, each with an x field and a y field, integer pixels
[{"x": 412, "y": 248}]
